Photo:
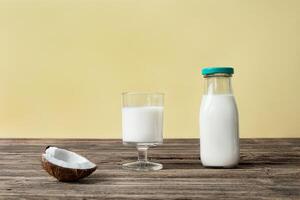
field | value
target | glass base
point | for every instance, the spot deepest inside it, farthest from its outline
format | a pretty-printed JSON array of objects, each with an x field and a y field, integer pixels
[{"x": 142, "y": 166}]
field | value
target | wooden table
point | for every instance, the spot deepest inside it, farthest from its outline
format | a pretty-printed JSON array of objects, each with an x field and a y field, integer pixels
[{"x": 269, "y": 169}]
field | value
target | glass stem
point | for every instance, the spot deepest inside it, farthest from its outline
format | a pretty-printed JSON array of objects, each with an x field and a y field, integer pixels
[{"x": 142, "y": 153}]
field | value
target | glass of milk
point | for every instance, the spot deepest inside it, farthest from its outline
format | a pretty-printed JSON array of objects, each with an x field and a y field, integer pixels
[
  {"x": 142, "y": 126},
  {"x": 219, "y": 125}
]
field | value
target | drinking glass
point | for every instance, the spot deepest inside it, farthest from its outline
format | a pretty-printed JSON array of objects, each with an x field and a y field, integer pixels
[{"x": 142, "y": 126}]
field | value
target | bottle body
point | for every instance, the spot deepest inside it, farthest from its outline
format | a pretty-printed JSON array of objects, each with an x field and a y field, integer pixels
[
  {"x": 219, "y": 123},
  {"x": 219, "y": 141}
]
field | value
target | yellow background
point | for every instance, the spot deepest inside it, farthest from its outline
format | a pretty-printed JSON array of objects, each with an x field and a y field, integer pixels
[{"x": 64, "y": 63}]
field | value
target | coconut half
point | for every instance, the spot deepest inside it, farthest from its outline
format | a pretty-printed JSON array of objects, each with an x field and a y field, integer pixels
[{"x": 66, "y": 165}]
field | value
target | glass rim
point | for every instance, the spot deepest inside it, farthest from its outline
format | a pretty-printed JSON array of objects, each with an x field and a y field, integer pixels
[{"x": 142, "y": 93}]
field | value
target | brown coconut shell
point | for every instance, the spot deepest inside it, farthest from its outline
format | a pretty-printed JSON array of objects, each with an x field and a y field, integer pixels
[{"x": 65, "y": 174}]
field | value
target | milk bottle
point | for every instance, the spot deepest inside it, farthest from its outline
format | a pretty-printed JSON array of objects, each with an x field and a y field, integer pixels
[{"x": 219, "y": 126}]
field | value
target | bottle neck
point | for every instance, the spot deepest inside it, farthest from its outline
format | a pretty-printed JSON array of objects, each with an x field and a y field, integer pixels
[{"x": 217, "y": 84}]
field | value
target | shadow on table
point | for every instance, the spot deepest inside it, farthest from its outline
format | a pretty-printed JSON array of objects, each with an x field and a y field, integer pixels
[
  {"x": 87, "y": 181},
  {"x": 245, "y": 163},
  {"x": 168, "y": 166}
]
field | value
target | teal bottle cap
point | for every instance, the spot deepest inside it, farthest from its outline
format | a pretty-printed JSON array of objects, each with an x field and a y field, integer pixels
[{"x": 215, "y": 70}]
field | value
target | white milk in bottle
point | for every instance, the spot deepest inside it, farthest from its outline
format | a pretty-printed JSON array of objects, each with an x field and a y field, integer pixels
[{"x": 219, "y": 126}]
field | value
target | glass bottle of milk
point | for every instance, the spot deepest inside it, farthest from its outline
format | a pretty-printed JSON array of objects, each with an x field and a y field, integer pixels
[{"x": 219, "y": 125}]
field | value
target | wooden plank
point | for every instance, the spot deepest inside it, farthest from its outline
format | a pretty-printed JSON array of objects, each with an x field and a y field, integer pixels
[{"x": 269, "y": 169}]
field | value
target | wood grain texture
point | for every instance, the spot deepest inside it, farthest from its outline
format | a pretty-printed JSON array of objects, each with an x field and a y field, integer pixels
[{"x": 269, "y": 169}]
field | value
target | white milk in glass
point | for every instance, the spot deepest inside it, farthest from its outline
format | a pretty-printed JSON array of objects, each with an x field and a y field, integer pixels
[{"x": 142, "y": 124}]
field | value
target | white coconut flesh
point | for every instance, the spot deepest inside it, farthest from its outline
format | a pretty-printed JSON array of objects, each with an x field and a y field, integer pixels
[{"x": 67, "y": 159}]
